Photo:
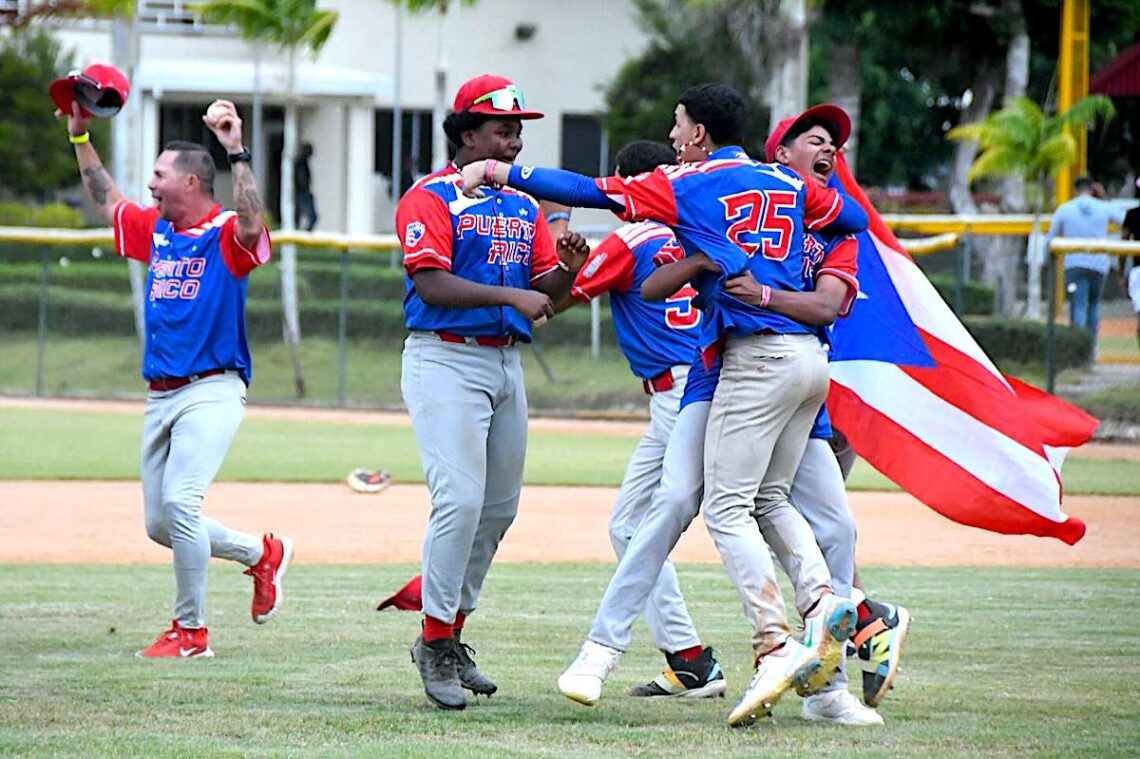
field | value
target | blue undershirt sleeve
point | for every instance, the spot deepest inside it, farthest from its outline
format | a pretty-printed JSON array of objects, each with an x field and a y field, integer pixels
[
  {"x": 852, "y": 219},
  {"x": 560, "y": 186}
]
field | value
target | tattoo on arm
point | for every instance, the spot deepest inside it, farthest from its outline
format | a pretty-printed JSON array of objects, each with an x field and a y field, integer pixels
[
  {"x": 98, "y": 184},
  {"x": 247, "y": 202}
]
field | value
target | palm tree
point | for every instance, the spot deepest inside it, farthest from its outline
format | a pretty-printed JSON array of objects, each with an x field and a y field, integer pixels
[
  {"x": 1021, "y": 140},
  {"x": 295, "y": 26},
  {"x": 439, "y": 111}
]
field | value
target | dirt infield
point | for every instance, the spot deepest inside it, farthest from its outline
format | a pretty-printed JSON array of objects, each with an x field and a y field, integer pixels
[{"x": 101, "y": 522}]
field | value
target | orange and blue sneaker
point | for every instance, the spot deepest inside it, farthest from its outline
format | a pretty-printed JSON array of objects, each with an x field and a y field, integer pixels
[
  {"x": 791, "y": 664},
  {"x": 267, "y": 573},
  {"x": 827, "y": 628},
  {"x": 700, "y": 678},
  {"x": 879, "y": 645},
  {"x": 178, "y": 643}
]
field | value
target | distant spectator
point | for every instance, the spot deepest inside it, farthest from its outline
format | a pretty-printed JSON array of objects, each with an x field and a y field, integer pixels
[
  {"x": 1085, "y": 216},
  {"x": 305, "y": 208},
  {"x": 1130, "y": 270}
]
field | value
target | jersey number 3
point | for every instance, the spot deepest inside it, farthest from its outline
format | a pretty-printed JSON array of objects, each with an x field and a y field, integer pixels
[
  {"x": 679, "y": 310},
  {"x": 761, "y": 221}
]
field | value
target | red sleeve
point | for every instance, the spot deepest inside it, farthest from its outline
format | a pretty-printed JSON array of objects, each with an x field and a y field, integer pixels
[
  {"x": 134, "y": 227},
  {"x": 239, "y": 259},
  {"x": 645, "y": 197},
  {"x": 543, "y": 257},
  {"x": 821, "y": 205},
  {"x": 842, "y": 261},
  {"x": 609, "y": 267},
  {"x": 423, "y": 223}
]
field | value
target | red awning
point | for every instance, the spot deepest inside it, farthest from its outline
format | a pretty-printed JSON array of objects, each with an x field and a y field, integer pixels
[{"x": 1121, "y": 77}]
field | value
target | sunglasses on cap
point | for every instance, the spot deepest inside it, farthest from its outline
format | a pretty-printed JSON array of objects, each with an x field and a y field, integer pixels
[{"x": 509, "y": 98}]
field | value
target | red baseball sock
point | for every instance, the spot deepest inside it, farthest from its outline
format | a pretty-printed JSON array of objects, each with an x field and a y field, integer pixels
[
  {"x": 863, "y": 610},
  {"x": 691, "y": 653},
  {"x": 435, "y": 629},
  {"x": 460, "y": 618}
]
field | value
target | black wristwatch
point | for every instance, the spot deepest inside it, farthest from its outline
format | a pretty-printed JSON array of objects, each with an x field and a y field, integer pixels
[{"x": 240, "y": 156}]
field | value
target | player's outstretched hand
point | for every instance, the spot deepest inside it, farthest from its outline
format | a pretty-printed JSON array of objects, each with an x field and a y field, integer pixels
[
  {"x": 76, "y": 124},
  {"x": 533, "y": 304},
  {"x": 223, "y": 120},
  {"x": 573, "y": 250},
  {"x": 745, "y": 287},
  {"x": 473, "y": 178}
]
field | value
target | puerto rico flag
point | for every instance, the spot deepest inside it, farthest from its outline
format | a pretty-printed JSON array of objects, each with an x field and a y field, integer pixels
[{"x": 919, "y": 400}]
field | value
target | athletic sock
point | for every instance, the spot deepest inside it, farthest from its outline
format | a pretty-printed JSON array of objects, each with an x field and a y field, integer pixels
[
  {"x": 460, "y": 618},
  {"x": 864, "y": 611},
  {"x": 691, "y": 653},
  {"x": 435, "y": 629}
]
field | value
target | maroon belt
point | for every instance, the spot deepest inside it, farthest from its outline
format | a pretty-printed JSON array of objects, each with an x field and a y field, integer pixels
[
  {"x": 493, "y": 341},
  {"x": 660, "y": 383},
  {"x": 173, "y": 383}
]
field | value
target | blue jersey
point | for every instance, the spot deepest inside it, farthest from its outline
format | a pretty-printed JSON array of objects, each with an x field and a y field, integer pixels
[
  {"x": 746, "y": 216},
  {"x": 835, "y": 255},
  {"x": 498, "y": 239},
  {"x": 196, "y": 284},
  {"x": 653, "y": 335}
]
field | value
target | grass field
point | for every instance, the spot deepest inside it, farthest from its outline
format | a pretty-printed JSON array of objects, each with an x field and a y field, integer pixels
[
  {"x": 999, "y": 663},
  {"x": 97, "y": 445}
]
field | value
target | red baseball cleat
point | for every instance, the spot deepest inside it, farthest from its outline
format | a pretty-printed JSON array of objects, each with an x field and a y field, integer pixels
[
  {"x": 178, "y": 643},
  {"x": 267, "y": 575}
]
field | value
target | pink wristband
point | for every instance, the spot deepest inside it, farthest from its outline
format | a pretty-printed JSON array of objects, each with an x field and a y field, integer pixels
[
  {"x": 765, "y": 295},
  {"x": 489, "y": 171}
]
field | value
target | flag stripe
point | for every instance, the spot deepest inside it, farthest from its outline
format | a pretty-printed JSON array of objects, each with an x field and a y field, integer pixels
[
  {"x": 1001, "y": 462},
  {"x": 942, "y": 485}
]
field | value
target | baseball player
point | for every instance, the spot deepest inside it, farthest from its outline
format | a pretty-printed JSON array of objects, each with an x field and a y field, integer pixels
[
  {"x": 196, "y": 360},
  {"x": 1130, "y": 267},
  {"x": 659, "y": 340},
  {"x": 480, "y": 271},
  {"x": 775, "y": 373}
]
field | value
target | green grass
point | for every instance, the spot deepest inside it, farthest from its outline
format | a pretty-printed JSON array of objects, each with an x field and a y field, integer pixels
[
  {"x": 85, "y": 444},
  {"x": 999, "y": 663},
  {"x": 110, "y": 367}
]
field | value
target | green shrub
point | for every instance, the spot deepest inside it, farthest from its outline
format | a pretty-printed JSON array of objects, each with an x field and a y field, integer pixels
[
  {"x": 55, "y": 215},
  {"x": 1023, "y": 342},
  {"x": 977, "y": 297},
  {"x": 1120, "y": 403}
]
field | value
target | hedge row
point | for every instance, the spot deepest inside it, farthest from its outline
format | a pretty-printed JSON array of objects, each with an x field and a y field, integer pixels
[
  {"x": 82, "y": 313},
  {"x": 977, "y": 297},
  {"x": 1023, "y": 342}
]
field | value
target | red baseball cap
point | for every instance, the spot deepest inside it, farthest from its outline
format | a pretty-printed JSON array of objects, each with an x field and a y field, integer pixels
[
  {"x": 494, "y": 96},
  {"x": 832, "y": 114},
  {"x": 100, "y": 90}
]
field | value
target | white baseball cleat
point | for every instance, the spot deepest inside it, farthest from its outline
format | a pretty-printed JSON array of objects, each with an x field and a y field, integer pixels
[
  {"x": 582, "y": 680},
  {"x": 839, "y": 707},
  {"x": 792, "y": 665}
]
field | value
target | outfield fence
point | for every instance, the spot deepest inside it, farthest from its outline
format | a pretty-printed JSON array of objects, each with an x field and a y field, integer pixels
[{"x": 66, "y": 307}]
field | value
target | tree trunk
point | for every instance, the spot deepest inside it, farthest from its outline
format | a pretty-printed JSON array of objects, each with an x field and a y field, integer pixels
[
  {"x": 439, "y": 110},
  {"x": 291, "y": 321},
  {"x": 787, "y": 93},
  {"x": 846, "y": 86},
  {"x": 124, "y": 55},
  {"x": 1012, "y": 187},
  {"x": 985, "y": 247}
]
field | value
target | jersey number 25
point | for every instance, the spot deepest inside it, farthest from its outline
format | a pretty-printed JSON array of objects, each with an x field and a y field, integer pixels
[{"x": 761, "y": 221}]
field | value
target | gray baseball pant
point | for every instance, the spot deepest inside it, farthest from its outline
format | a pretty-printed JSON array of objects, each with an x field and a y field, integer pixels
[
  {"x": 668, "y": 619},
  {"x": 770, "y": 388},
  {"x": 468, "y": 408},
  {"x": 186, "y": 434}
]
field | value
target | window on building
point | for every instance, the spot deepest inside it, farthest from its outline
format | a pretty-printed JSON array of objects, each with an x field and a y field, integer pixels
[
  {"x": 583, "y": 145},
  {"x": 416, "y": 139}
]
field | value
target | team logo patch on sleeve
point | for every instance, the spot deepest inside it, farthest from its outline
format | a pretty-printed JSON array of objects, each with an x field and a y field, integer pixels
[
  {"x": 592, "y": 267},
  {"x": 413, "y": 233}
]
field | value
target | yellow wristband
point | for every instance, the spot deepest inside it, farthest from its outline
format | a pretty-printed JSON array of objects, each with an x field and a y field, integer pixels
[{"x": 79, "y": 139}]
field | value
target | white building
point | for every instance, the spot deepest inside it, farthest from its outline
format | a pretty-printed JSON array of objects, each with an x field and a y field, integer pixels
[{"x": 562, "y": 54}]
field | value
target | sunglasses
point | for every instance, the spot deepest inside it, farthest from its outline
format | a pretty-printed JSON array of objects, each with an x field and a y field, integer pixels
[{"x": 509, "y": 98}]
